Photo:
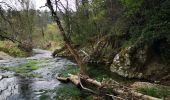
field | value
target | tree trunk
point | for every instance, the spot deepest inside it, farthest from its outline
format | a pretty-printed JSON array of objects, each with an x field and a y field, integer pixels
[
  {"x": 66, "y": 40},
  {"x": 119, "y": 92},
  {"x": 77, "y": 4}
]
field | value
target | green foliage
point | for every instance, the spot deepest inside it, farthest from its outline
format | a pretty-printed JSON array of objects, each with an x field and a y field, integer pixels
[
  {"x": 49, "y": 34},
  {"x": 69, "y": 69},
  {"x": 68, "y": 92},
  {"x": 28, "y": 25},
  {"x": 155, "y": 92},
  {"x": 52, "y": 33},
  {"x": 44, "y": 97},
  {"x": 118, "y": 28},
  {"x": 71, "y": 92},
  {"x": 158, "y": 24},
  {"x": 98, "y": 72},
  {"x": 132, "y": 6},
  {"x": 12, "y": 49},
  {"x": 18, "y": 25},
  {"x": 149, "y": 22},
  {"x": 90, "y": 20}
]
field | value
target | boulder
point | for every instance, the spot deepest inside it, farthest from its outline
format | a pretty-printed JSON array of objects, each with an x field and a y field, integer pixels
[
  {"x": 128, "y": 64},
  {"x": 145, "y": 61}
]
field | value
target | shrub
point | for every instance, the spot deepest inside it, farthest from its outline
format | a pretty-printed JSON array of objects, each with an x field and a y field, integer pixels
[{"x": 12, "y": 49}]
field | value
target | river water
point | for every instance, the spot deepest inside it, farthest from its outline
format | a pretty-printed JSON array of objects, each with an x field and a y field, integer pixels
[{"x": 14, "y": 86}]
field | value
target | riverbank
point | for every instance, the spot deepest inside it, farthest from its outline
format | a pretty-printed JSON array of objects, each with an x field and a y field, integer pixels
[
  {"x": 104, "y": 76},
  {"x": 4, "y": 56},
  {"x": 12, "y": 49}
]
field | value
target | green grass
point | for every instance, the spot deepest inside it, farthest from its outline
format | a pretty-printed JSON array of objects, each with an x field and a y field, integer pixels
[
  {"x": 69, "y": 69},
  {"x": 95, "y": 72},
  {"x": 44, "y": 97},
  {"x": 71, "y": 92},
  {"x": 67, "y": 92},
  {"x": 98, "y": 72},
  {"x": 64, "y": 92},
  {"x": 155, "y": 92},
  {"x": 12, "y": 49}
]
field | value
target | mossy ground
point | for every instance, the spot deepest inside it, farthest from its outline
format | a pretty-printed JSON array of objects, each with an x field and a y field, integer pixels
[{"x": 155, "y": 92}]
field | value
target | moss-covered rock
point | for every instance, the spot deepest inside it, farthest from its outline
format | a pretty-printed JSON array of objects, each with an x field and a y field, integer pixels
[
  {"x": 145, "y": 60},
  {"x": 122, "y": 64}
]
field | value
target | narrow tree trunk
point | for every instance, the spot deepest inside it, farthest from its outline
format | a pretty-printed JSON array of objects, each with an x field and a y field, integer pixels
[
  {"x": 66, "y": 40},
  {"x": 77, "y": 4}
]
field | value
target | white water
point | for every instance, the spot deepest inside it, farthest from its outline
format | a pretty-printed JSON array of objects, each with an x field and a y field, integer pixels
[{"x": 17, "y": 87}]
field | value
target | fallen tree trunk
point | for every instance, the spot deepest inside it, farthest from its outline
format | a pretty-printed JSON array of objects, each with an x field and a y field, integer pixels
[{"x": 76, "y": 79}]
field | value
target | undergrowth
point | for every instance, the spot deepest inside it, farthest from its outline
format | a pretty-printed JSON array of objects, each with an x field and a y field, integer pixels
[
  {"x": 154, "y": 91},
  {"x": 12, "y": 49}
]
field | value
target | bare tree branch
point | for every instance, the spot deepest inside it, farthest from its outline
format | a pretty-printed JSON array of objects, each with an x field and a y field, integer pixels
[{"x": 8, "y": 38}]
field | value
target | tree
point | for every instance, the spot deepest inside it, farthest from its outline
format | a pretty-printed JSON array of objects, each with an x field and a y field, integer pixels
[
  {"x": 19, "y": 23},
  {"x": 65, "y": 38}
]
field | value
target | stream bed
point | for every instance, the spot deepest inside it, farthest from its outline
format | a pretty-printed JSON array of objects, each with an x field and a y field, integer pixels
[{"x": 33, "y": 83}]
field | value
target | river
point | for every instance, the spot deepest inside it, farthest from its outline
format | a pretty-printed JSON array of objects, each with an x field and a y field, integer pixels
[{"x": 15, "y": 86}]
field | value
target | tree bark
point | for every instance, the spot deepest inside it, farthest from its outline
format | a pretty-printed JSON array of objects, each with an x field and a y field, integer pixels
[
  {"x": 66, "y": 40},
  {"x": 75, "y": 80}
]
